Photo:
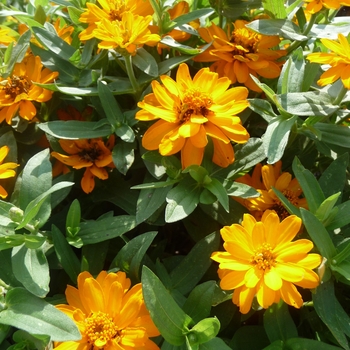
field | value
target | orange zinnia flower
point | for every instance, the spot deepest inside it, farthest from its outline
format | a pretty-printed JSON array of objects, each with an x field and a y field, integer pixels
[
  {"x": 6, "y": 169},
  {"x": 190, "y": 110},
  {"x": 130, "y": 33},
  {"x": 339, "y": 60},
  {"x": 260, "y": 260},
  {"x": 112, "y": 10},
  {"x": 241, "y": 53},
  {"x": 108, "y": 314},
  {"x": 315, "y": 6},
  {"x": 271, "y": 176},
  {"x": 91, "y": 154},
  {"x": 18, "y": 90}
]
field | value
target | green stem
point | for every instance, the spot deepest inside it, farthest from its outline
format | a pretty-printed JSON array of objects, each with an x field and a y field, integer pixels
[
  {"x": 131, "y": 74},
  {"x": 340, "y": 96},
  {"x": 296, "y": 44}
]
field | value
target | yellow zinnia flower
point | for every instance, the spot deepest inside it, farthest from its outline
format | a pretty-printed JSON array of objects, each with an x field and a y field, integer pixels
[
  {"x": 130, "y": 33},
  {"x": 263, "y": 179},
  {"x": 108, "y": 314},
  {"x": 6, "y": 169},
  {"x": 190, "y": 110},
  {"x": 339, "y": 60},
  {"x": 91, "y": 154},
  {"x": 19, "y": 90},
  {"x": 241, "y": 53},
  {"x": 111, "y": 10},
  {"x": 260, "y": 260}
]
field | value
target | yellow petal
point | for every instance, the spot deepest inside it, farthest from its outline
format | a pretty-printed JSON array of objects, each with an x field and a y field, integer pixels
[
  {"x": 190, "y": 154},
  {"x": 93, "y": 295},
  {"x": 243, "y": 297},
  {"x": 311, "y": 261},
  {"x": 188, "y": 129},
  {"x": 289, "y": 272},
  {"x": 252, "y": 277},
  {"x": 232, "y": 280},
  {"x": 272, "y": 279},
  {"x": 311, "y": 280},
  {"x": 265, "y": 295},
  {"x": 223, "y": 153},
  {"x": 88, "y": 181},
  {"x": 345, "y": 76},
  {"x": 288, "y": 229},
  {"x": 290, "y": 295},
  {"x": 293, "y": 251}
]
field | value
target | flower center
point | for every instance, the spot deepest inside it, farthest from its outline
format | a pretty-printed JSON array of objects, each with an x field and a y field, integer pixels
[
  {"x": 16, "y": 85},
  {"x": 195, "y": 102},
  {"x": 245, "y": 41},
  {"x": 117, "y": 9},
  {"x": 263, "y": 257},
  {"x": 100, "y": 328},
  {"x": 90, "y": 154},
  {"x": 280, "y": 209}
]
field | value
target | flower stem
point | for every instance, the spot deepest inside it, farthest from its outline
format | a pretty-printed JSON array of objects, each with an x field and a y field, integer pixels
[
  {"x": 131, "y": 74},
  {"x": 341, "y": 95}
]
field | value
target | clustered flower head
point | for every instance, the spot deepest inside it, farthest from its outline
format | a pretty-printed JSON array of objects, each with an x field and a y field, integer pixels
[
  {"x": 240, "y": 53},
  {"x": 338, "y": 59},
  {"x": 18, "y": 92},
  {"x": 109, "y": 314},
  {"x": 119, "y": 24},
  {"x": 263, "y": 179},
  {"x": 92, "y": 154},
  {"x": 190, "y": 110},
  {"x": 261, "y": 260}
]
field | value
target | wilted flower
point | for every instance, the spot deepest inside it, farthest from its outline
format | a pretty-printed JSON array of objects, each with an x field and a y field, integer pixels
[
  {"x": 18, "y": 90},
  {"x": 261, "y": 260},
  {"x": 190, "y": 110},
  {"x": 338, "y": 59},
  {"x": 92, "y": 154},
  {"x": 111, "y": 10},
  {"x": 6, "y": 169},
  {"x": 109, "y": 314},
  {"x": 243, "y": 52},
  {"x": 263, "y": 179}
]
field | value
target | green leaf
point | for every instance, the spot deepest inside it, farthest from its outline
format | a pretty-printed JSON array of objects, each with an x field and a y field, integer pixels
[
  {"x": 171, "y": 63},
  {"x": 101, "y": 230},
  {"x": 168, "y": 317},
  {"x": 214, "y": 344},
  {"x": 36, "y": 316},
  {"x": 145, "y": 62},
  {"x": 334, "y": 134},
  {"x": 33, "y": 208},
  {"x": 331, "y": 312},
  {"x": 318, "y": 234},
  {"x": 75, "y": 130},
  {"x": 74, "y": 14},
  {"x": 311, "y": 189},
  {"x": 234, "y": 9},
  {"x": 110, "y": 106},
  {"x": 330, "y": 31},
  {"x": 53, "y": 42},
  {"x": 308, "y": 103},
  {"x": 342, "y": 268},
  {"x": 150, "y": 199},
  {"x": 276, "y": 137},
  {"x": 238, "y": 189},
  {"x": 198, "y": 303},
  {"x": 278, "y": 323},
  {"x": 309, "y": 344},
  {"x": 333, "y": 178},
  {"x": 189, "y": 272},
  {"x": 182, "y": 200},
  {"x": 65, "y": 254},
  {"x": 263, "y": 108},
  {"x": 249, "y": 337},
  {"x": 275, "y": 8},
  {"x": 292, "y": 74},
  {"x": 130, "y": 257},
  {"x": 30, "y": 267},
  {"x": 327, "y": 209},
  {"x": 292, "y": 209},
  {"x": 282, "y": 27},
  {"x": 204, "y": 331},
  {"x": 169, "y": 41},
  {"x": 67, "y": 71},
  {"x": 123, "y": 156},
  {"x": 341, "y": 218},
  {"x": 217, "y": 189},
  {"x": 73, "y": 218},
  {"x": 36, "y": 180}
]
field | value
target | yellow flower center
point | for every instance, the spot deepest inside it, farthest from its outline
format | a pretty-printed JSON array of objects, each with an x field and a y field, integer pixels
[
  {"x": 263, "y": 257},
  {"x": 90, "y": 154},
  {"x": 100, "y": 328},
  {"x": 117, "y": 10},
  {"x": 194, "y": 102},
  {"x": 245, "y": 41},
  {"x": 16, "y": 85}
]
